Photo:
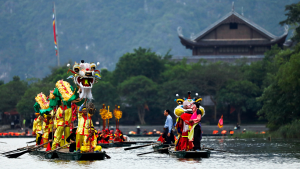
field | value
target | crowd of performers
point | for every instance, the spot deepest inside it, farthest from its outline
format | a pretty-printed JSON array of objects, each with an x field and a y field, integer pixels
[
  {"x": 53, "y": 125},
  {"x": 188, "y": 124},
  {"x": 54, "y": 129}
]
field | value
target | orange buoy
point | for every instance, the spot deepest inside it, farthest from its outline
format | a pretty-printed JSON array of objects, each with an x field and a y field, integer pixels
[
  {"x": 215, "y": 132},
  {"x": 262, "y": 132},
  {"x": 223, "y": 132},
  {"x": 231, "y": 132}
]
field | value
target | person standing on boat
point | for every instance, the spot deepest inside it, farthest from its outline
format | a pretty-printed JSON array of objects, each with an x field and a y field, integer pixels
[
  {"x": 195, "y": 134},
  {"x": 72, "y": 139},
  {"x": 37, "y": 127},
  {"x": 59, "y": 128},
  {"x": 47, "y": 127},
  {"x": 168, "y": 133}
]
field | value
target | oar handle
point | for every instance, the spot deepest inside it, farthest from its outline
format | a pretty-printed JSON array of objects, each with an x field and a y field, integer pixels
[
  {"x": 153, "y": 151},
  {"x": 39, "y": 146},
  {"x": 58, "y": 148},
  {"x": 26, "y": 147},
  {"x": 130, "y": 148}
]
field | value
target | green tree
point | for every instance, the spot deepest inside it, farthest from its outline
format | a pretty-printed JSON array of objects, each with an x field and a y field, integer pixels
[
  {"x": 11, "y": 93},
  {"x": 241, "y": 95},
  {"x": 281, "y": 98},
  {"x": 105, "y": 93},
  {"x": 293, "y": 12},
  {"x": 27, "y": 100},
  {"x": 139, "y": 92},
  {"x": 142, "y": 62}
]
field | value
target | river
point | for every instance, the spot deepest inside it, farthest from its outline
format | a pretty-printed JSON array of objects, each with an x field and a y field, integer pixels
[{"x": 243, "y": 154}]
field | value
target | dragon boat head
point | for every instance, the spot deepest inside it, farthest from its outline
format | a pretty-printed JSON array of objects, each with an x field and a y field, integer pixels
[{"x": 85, "y": 76}]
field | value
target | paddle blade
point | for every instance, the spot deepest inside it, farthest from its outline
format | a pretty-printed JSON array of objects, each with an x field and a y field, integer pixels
[
  {"x": 146, "y": 153},
  {"x": 107, "y": 156},
  {"x": 130, "y": 148},
  {"x": 15, "y": 155}
]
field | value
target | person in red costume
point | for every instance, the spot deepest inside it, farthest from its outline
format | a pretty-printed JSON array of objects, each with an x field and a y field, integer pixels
[{"x": 118, "y": 136}]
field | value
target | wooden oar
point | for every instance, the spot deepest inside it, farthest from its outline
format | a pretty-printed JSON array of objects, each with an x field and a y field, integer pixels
[
  {"x": 15, "y": 155},
  {"x": 130, "y": 148},
  {"x": 153, "y": 151},
  {"x": 215, "y": 150},
  {"x": 31, "y": 141},
  {"x": 107, "y": 156},
  {"x": 135, "y": 142},
  {"x": 19, "y": 149},
  {"x": 58, "y": 148}
]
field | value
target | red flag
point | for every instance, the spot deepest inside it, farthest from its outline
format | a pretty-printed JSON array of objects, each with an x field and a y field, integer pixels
[
  {"x": 232, "y": 109},
  {"x": 161, "y": 139},
  {"x": 48, "y": 147},
  {"x": 220, "y": 124}
]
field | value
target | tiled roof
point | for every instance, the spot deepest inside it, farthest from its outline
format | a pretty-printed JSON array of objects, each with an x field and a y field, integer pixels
[{"x": 217, "y": 23}]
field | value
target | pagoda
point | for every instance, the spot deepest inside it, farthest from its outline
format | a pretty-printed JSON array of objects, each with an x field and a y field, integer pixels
[{"x": 231, "y": 37}]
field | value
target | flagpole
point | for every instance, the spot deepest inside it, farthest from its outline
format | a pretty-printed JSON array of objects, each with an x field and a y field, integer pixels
[{"x": 58, "y": 62}]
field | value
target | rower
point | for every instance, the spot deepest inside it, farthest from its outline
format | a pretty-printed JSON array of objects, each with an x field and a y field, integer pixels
[
  {"x": 168, "y": 133},
  {"x": 72, "y": 139},
  {"x": 118, "y": 136},
  {"x": 36, "y": 127},
  {"x": 82, "y": 113},
  {"x": 59, "y": 128},
  {"x": 105, "y": 137},
  {"x": 47, "y": 127}
]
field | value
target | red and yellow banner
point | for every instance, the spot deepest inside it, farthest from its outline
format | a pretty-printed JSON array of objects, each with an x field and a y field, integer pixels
[
  {"x": 220, "y": 124},
  {"x": 54, "y": 32}
]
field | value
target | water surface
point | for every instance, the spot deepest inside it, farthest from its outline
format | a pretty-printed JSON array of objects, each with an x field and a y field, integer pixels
[{"x": 242, "y": 154}]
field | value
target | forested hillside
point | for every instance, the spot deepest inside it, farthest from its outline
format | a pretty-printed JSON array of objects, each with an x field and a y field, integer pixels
[{"x": 101, "y": 30}]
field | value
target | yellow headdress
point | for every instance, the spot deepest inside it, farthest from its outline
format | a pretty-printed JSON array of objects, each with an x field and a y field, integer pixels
[
  {"x": 41, "y": 99},
  {"x": 64, "y": 89}
]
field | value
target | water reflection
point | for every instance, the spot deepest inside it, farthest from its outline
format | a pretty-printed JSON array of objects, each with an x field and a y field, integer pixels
[{"x": 244, "y": 153}]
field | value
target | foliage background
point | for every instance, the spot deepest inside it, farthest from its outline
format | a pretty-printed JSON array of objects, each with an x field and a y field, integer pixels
[
  {"x": 101, "y": 30},
  {"x": 143, "y": 80}
]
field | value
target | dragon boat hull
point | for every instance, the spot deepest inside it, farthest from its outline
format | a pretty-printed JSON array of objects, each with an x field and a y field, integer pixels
[
  {"x": 190, "y": 154},
  {"x": 160, "y": 146},
  {"x": 77, "y": 156},
  {"x": 110, "y": 145},
  {"x": 43, "y": 153}
]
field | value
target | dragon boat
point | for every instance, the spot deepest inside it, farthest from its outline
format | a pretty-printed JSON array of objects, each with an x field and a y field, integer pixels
[
  {"x": 43, "y": 153},
  {"x": 64, "y": 154},
  {"x": 110, "y": 145},
  {"x": 189, "y": 154},
  {"x": 157, "y": 148}
]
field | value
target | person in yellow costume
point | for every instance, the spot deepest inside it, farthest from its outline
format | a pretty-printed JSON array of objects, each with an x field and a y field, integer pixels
[
  {"x": 84, "y": 124},
  {"x": 37, "y": 127},
  {"x": 90, "y": 142},
  {"x": 68, "y": 118},
  {"x": 82, "y": 113},
  {"x": 47, "y": 127},
  {"x": 59, "y": 128}
]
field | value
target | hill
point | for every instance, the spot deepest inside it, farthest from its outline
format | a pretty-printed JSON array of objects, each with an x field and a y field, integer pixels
[{"x": 105, "y": 30}]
